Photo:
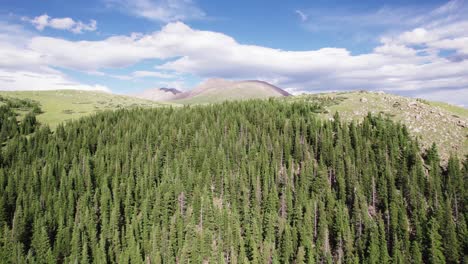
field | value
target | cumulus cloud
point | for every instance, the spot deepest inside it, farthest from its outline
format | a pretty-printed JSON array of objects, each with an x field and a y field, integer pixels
[
  {"x": 160, "y": 10},
  {"x": 22, "y": 68},
  {"x": 411, "y": 62},
  {"x": 66, "y": 23},
  {"x": 395, "y": 50},
  {"x": 453, "y": 36},
  {"x": 113, "y": 52},
  {"x": 26, "y": 80},
  {"x": 394, "y": 66},
  {"x": 153, "y": 74},
  {"x": 137, "y": 75}
]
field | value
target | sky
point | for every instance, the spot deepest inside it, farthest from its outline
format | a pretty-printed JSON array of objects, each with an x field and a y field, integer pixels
[{"x": 411, "y": 48}]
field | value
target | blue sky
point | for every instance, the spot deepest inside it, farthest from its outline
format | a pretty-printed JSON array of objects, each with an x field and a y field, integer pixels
[{"x": 414, "y": 48}]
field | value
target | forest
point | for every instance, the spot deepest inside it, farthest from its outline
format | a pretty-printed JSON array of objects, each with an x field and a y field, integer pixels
[{"x": 237, "y": 182}]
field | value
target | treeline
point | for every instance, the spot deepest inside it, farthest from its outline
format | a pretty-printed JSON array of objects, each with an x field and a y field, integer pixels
[{"x": 250, "y": 182}]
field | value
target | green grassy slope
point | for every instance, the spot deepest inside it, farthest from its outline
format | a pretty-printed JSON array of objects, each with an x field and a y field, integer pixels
[
  {"x": 442, "y": 123},
  {"x": 63, "y": 105}
]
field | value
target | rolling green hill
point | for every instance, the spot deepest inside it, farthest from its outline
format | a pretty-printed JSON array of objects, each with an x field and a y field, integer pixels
[{"x": 64, "y": 105}]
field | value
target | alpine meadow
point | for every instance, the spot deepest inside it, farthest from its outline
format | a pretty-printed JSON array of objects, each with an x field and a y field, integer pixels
[{"x": 233, "y": 132}]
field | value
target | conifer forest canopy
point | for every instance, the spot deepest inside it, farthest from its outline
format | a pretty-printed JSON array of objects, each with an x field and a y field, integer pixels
[{"x": 239, "y": 182}]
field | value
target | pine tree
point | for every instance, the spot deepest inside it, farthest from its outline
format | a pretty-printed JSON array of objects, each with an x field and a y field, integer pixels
[
  {"x": 449, "y": 236},
  {"x": 40, "y": 244},
  {"x": 435, "y": 249}
]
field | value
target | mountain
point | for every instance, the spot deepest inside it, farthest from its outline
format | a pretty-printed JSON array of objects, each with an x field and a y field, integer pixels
[
  {"x": 219, "y": 90},
  {"x": 159, "y": 94}
]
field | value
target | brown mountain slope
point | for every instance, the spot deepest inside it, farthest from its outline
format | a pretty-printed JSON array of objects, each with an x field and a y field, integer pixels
[
  {"x": 218, "y": 90},
  {"x": 430, "y": 122}
]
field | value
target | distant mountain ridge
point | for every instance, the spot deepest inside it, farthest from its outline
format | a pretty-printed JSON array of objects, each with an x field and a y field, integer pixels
[
  {"x": 215, "y": 90},
  {"x": 158, "y": 94},
  {"x": 276, "y": 88}
]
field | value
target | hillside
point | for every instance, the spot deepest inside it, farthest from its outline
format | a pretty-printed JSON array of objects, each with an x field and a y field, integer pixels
[
  {"x": 64, "y": 105},
  {"x": 429, "y": 121},
  {"x": 219, "y": 90},
  {"x": 444, "y": 124}
]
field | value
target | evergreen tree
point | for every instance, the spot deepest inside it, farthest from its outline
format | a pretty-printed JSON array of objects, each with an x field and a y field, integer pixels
[{"x": 435, "y": 249}]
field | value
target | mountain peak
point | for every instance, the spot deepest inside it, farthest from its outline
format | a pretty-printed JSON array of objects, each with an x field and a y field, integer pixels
[
  {"x": 213, "y": 83},
  {"x": 215, "y": 90},
  {"x": 218, "y": 90}
]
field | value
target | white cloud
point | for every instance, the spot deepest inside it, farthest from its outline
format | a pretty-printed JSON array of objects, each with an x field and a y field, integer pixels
[
  {"x": 160, "y": 10},
  {"x": 394, "y": 66},
  {"x": 66, "y": 23},
  {"x": 62, "y": 23},
  {"x": 395, "y": 50},
  {"x": 25, "y": 80},
  {"x": 14, "y": 51},
  {"x": 302, "y": 15},
  {"x": 114, "y": 52},
  {"x": 453, "y": 36},
  {"x": 40, "y": 22},
  {"x": 416, "y": 36},
  {"x": 22, "y": 68},
  {"x": 80, "y": 26},
  {"x": 177, "y": 84},
  {"x": 154, "y": 74},
  {"x": 136, "y": 75},
  {"x": 410, "y": 62}
]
